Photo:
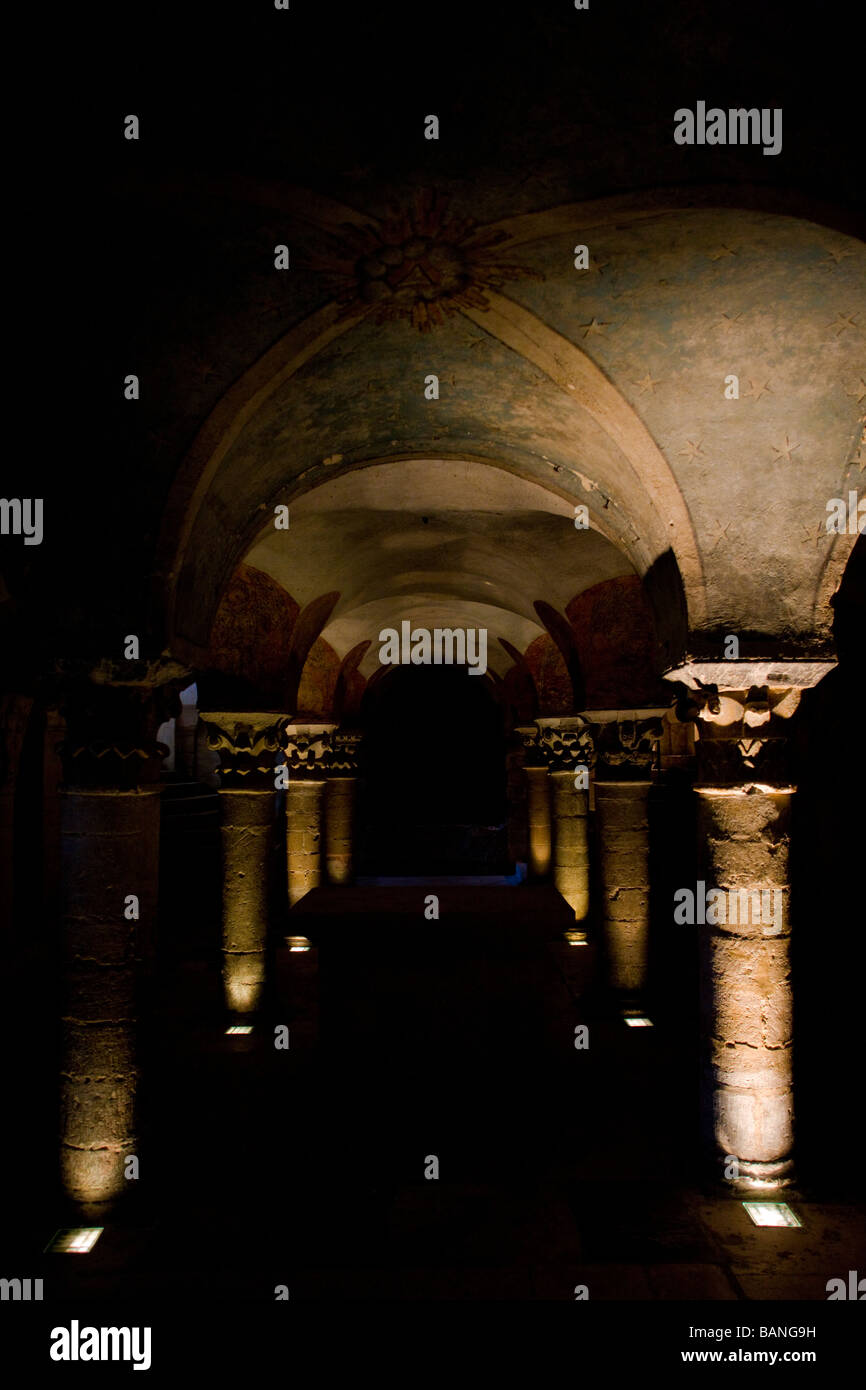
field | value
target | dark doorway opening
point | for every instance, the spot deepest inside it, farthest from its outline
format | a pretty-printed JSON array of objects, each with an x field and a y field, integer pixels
[{"x": 432, "y": 762}]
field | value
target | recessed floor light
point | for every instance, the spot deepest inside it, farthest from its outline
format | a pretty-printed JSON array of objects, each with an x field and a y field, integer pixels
[
  {"x": 298, "y": 943},
  {"x": 772, "y": 1214},
  {"x": 638, "y": 1021},
  {"x": 238, "y": 1028},
  {"x": 574, "y": 937},
  {"x": 74, "y": 1240}
]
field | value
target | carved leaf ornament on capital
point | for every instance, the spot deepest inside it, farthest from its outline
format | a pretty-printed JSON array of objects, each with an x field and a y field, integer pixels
[
  {"x": 629, "y": 742},
  {"x": 246, "y": 748},
  {"x": 344, "y": 754},
  {"x": 742, "y": 734},
  {"x": 564, "y": 749},
  {"x": 110, "y": 738},
  {"x": 308, "y": 754},
  {"x": 533, "y": 754}
]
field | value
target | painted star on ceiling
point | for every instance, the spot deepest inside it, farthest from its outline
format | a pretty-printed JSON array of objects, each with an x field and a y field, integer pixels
[
  {"x": 693, "y": 450},
  {"x": 647, "y": 383},
  {"x": 834, "y": 257},
  {"x": 757, "y": 389},
  {"x": 594, "y": 326},
  {"x": 784, "y": 451},
  {"x": 721, "y": 533},
  {"x": 843, "y": 321}
]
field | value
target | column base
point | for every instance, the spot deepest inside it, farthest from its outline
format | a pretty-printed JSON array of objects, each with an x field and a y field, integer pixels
[
  {"x": 754, "y": 1178},
  {"x": 765, "y": 1175}
]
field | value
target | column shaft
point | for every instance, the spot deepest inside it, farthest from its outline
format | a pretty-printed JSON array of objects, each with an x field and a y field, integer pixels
[
  {"x": 570, "y": 842},
  {"x": 246, "y": 832},
  {"x": 539, "y": 821},
  {"x": 109, "y": 851},
  {"x": 623, "y": 832},
  {"x": 745, "y": 836},
  {"x": 304, "y": 806},
  {"x": 339, "y": 826}
]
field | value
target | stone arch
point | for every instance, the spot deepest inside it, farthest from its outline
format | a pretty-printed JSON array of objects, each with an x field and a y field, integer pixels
[
  {"x": 243, "y": 541},
  {"x": 459, "y": 543}
]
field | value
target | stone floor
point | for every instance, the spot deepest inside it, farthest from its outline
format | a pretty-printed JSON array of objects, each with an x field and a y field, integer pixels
[{"x": 409, "y": 1038}]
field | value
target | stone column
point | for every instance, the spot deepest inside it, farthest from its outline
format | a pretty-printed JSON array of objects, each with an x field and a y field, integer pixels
[
  {"x": 567, "y": 745},
  {"x": 307, "y": 749},
  {"x": 247, "y": 745},
  {"x": 341, "y": 786},
  {"x": 539, "y": 824},
  {"x": 743, "y": 713},
  {"x": 109, "y": 864},
  {"x": 626, "y": 748},
  {"x": 14, "y": 714}
]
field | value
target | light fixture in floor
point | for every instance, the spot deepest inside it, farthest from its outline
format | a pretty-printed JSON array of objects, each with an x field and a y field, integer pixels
[
  {"x": 298, "y": 943},
  {"x": 638, "y": 1021},
  {"x": 575, "y": 937},
  {"x": 74, "y": 1240},
  {"x": 772, "y": 1214},
  {"x": 237, "y": 1028}
]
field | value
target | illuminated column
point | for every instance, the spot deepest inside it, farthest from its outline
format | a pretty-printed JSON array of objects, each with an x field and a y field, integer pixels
[
  {"x": 626, "y": 748},
  {"x": 567, "y": 744},
  {"x": 340, "y": 791},
  {"x": 307, "y": 750},
  {"x": 247, "y": 745},
  {"x": 538, "y": 815},
  {"x": 109, "y": 865},
  {"x": 744, "y": 814},
  {"x": 14, "y": 714}
]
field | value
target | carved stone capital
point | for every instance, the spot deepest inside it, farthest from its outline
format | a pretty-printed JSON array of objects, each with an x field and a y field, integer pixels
[
  {"x": 111, "y": 731},
  {"x": 567, "y": 741},
  {"x": 307, "y": 750},
  {"x": 743, "y": 726},
  {"x": 247, "y": 743},
  {"x": 627, "y": 742},
  {"x": 527, "y": 741},
  {"x": 345, "y": 744}
]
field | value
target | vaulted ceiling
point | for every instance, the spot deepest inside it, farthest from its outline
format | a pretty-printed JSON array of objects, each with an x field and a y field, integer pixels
[{"x": 698, "y": 388}]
